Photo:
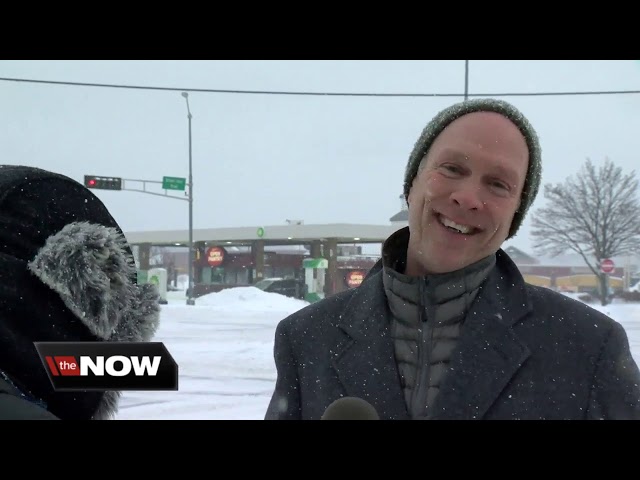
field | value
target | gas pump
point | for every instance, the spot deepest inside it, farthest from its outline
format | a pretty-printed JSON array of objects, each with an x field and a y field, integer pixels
[{"x": 314, "y": 277}]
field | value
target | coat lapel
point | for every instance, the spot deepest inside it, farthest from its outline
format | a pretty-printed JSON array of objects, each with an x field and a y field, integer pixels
[
  {"x": 365, "y": 360},
  {"x": 488, "y": 353}
]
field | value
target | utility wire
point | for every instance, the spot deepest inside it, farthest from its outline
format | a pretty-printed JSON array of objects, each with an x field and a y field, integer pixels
[{"x": 326, "y": 94}]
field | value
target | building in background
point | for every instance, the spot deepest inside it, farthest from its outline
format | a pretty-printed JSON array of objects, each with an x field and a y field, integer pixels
[{"x": 243, "y": 256}]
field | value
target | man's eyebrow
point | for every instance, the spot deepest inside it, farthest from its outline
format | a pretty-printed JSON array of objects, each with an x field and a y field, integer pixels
[
  {"x": 506, "y": 172},
  {"x": 454, "y": 154}
]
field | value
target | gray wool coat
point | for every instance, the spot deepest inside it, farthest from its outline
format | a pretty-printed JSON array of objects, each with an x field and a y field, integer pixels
[{"x": 524, "y": 352}]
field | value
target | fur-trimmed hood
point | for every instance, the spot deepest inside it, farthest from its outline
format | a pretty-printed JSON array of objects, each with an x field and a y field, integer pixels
[
  {"x": 66, "y": 274},
  {"x": 87, "y": 265}
]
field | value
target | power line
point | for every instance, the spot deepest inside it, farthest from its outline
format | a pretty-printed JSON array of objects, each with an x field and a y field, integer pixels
[{"x": 326, "y": 94}]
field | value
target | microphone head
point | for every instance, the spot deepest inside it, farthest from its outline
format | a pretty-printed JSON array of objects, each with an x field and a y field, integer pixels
[{"x": 350, "y": 408}]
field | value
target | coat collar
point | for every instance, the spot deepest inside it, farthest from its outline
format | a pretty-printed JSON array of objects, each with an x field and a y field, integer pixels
[
  {"x": 489, "y": 352},
  {"x": 365, "y": 362}
]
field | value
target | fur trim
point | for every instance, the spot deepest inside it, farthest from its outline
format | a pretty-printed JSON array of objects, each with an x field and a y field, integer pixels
[
  {"x": 108, "y": 407},
  {"x": 90, "y": 266}
]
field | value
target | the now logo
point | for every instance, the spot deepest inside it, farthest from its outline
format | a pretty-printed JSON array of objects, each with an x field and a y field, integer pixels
[
  {"x": 116, "y": 366},
  {"x": 108, "y": 365}
]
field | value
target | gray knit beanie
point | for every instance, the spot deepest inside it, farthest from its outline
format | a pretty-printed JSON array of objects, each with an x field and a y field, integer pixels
[{"x": 449, "y": 114}]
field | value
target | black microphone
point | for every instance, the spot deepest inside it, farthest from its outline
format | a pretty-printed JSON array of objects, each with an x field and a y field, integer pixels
[{"x": 350, "y": 408}]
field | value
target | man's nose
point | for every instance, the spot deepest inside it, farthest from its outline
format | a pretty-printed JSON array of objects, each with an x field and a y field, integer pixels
[{"x": 468, "y": 198}]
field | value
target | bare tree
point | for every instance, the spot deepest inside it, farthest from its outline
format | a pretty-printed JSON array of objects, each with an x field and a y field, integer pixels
[{"x": 595, "y": 214}]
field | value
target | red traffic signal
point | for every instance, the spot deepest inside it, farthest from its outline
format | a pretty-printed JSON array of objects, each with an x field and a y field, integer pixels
[{"x": 103, "y": 183}]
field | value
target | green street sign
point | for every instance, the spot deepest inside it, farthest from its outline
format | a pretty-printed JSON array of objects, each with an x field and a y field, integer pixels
[
  {"x": 260, "y": 232},
  {"x": 174, "y": 183}
]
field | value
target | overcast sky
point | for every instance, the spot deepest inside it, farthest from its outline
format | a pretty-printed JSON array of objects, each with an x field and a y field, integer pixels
[{"x": 262, "y": 159}]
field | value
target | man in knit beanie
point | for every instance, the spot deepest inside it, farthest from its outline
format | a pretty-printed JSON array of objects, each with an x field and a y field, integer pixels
[
  {"x": 448, "y": 115},
  {"x": 444, "y": 326},
  {"x": 66, "y": 274}
]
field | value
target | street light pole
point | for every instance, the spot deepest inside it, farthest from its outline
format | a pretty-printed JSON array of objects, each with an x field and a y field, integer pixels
[
  {"x": 190, "y": 300},
  {"x": 466, "y": 80}
]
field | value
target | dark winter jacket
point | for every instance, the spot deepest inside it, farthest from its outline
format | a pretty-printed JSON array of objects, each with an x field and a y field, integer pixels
[
  {"x": 66, "y": 274},
  {"x": 524, "y": 352},
  {"x": 15, "y": 405}
]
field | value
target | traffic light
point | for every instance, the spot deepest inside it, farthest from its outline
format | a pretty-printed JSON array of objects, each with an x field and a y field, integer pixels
[{"x": 103, "y": 183}]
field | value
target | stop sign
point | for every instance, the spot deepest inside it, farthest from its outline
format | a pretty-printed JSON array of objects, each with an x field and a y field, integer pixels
[{"x": 607, "y": 265}]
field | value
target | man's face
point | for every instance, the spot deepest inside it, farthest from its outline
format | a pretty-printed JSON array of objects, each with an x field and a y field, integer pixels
[{"x": 466, "y": 193}]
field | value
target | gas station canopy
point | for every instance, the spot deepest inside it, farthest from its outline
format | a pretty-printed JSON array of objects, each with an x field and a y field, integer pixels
[{"x": 270, "y": 234}]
